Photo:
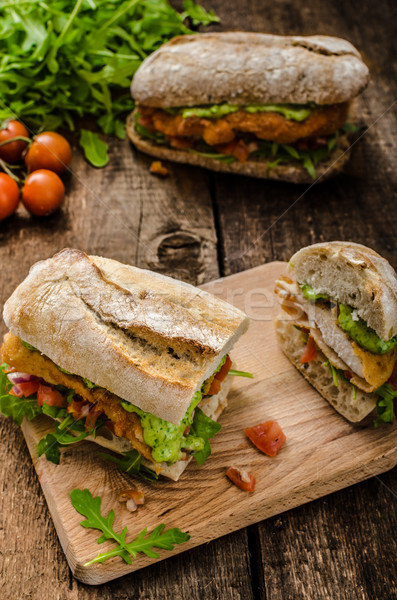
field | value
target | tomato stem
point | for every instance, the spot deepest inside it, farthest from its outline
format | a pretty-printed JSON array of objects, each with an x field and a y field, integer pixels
[
  {"x": 7, "y": 170},
  {"x": 18, "y": 138}
]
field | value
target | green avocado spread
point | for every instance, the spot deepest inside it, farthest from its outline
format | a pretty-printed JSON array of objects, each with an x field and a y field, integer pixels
[
  {"x": 363, "y": 335},
  {"x": 164, "y": 437},
  {"x": 311, "y": 295},
  {"x": 355, "y": 327},
  {"x": 293, "y": 112},
  {"x": 168, "y": 439}
]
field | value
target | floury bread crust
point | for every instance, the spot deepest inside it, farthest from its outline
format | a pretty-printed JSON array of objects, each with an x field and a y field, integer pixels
[
  {"x": 352, "y": 274},
  {"x": 250, "y": 68},
  {"x": 354, "y": 406},
  {"x": 293, "y": 171},
  {"x": 146, "y": 338}
]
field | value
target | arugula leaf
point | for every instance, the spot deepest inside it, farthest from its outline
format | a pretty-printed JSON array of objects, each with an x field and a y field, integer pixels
[
  {"x": 61, "y": 436},
  {"x": 240, "y": 373},
  {"x": 205, "y": 428},
  {"x": 131, "y": 462},
  {"x": 90, "y": 507},
  {"x": 12, "y": 406},
  {"x": 384, "y": 404},
  {"x": 95, "y": 149},
  {"x": 198, "y": 14},
  {"x": 67, "y": 59}
]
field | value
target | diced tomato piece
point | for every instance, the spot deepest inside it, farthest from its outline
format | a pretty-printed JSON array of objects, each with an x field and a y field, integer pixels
[
  {"x": 215, "y": 387},
  {"x": 28, "y": 388},
  {"x": 268, "y": 437},
  {"x": 222, "y": 373},
  {"x": 91, "y": 418},
  {"x": 310, "y": 351},
  {"x": 47, "y": 395},
  {"x": 243, "y": 479}
]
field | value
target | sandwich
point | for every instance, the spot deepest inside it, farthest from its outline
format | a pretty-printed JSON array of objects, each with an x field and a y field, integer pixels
[
  {"x": 256, "y": 104},
  {"x": 338, "y": 326},
  {"x": 133, "y": 360}
]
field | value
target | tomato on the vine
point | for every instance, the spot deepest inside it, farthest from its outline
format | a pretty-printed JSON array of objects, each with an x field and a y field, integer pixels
[
  {"x": 49, "y": 150},
  {"x": 12, "y": 152},
  {"x": 9, "y": 196},
  {"x": 43, "y": 192}
]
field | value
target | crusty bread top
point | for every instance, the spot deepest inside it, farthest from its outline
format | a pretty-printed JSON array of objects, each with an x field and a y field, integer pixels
[
  {"x": 250, "y": 68},
  {"x": 352, "y": 274},
  {"x": 145, "y": 337}
]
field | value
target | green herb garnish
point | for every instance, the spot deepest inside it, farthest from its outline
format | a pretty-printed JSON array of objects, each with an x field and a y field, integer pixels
[{"x": 89, "y": 507}]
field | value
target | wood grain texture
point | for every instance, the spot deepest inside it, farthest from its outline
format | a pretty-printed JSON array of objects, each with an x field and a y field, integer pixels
[
  {"x": 324, "y": 452},
  {"x": 339, "y": 547}
]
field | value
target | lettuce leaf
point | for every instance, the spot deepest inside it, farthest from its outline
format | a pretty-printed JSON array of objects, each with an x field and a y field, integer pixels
[{"x": 205, "y": 428}]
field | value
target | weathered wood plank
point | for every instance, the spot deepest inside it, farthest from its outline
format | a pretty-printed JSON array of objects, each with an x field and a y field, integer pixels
[
  {"x": 125, "y": 213},
  {"x": 340, "y": 547}
]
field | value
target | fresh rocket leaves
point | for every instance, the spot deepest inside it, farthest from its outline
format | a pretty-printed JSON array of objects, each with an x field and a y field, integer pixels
[
  {"x": 11, "y": 406},
  {"x": 62, "y": 436},
  {"x": 198, "y": 15},
  {"x": 385, "y": 403},
  {"x": 66, "y": 59},
  {"x": 205, "y": 428},
  {"x": 89, "y": 507},
  {"x": 95, "y": 149},
  {"x": 131, "y": 463}
]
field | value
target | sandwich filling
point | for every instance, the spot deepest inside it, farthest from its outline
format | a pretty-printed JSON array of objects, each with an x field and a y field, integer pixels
[
  {"x": 75, "y": 400},
  {"x": 353, "y": 350},
  {"x": 279, "y": 133}
]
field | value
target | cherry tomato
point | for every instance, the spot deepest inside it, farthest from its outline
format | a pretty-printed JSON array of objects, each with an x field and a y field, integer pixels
[
  {"x": 49, "y": 150},
  {"x": 12, "y": 153},
  {"x": 43, "y": 192},
  {"x": 310, "y": 351},
  {"x": 267, "y": 437},
  {"x": 9, "y": 196},
  {"x": 243, "y": 479},
  {"x": 47, "y": 395}
]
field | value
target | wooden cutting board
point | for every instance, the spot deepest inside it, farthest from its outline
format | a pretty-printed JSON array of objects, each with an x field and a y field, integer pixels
[{"x": 323, "y": 452}]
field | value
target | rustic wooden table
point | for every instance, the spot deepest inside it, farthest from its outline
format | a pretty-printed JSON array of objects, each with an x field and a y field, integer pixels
[{"x": 197, "y": 226}]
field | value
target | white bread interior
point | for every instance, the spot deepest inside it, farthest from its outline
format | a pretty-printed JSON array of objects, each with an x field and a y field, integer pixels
[
  {"x": 351, "y": 274},
  {"x": 353, "y": 405},
  {"x": 147, "y": 338}
]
